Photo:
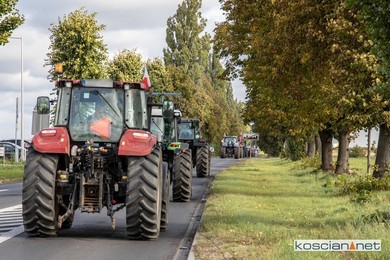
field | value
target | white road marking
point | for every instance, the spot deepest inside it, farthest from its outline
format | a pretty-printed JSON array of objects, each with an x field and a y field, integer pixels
[
  {"x": 14, "y": 231},
  {"x": 4, "y": 190}
]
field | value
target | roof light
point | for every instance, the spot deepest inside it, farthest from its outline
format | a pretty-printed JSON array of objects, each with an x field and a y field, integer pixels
[
  {"x": 58, "y": 68},
  {"x": 48, "y": 132},
  {"x": 142, "y": 136}
]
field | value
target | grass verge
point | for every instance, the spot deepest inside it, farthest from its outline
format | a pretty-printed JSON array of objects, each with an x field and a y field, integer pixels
[
  {"x": 257, "y": 209},
  {"x": 11, "y": 172}
]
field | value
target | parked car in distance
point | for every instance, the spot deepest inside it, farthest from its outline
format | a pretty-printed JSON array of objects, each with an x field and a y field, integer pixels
[
  {"x": 10, "y": 149},
  {"x": 27, "y": 144}
]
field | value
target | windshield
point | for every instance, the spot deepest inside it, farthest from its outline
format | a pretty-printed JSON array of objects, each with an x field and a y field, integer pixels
[
  {"x": 136, "y": 114},
  {"x": 185, "y": 131},
  {"x": 157, "y": 128},
  {"x": 96, "y": 113},
  {"x": 232, "y": 139},
  {"x": 162, "y": 130}
]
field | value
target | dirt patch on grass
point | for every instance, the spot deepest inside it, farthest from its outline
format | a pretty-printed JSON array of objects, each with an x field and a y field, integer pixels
[
  {"x": 217, "y": 248},
  {"x": 11, "y": 180}
]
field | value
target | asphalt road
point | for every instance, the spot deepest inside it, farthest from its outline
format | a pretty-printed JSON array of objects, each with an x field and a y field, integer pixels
[{"x": 92, "y": 237}]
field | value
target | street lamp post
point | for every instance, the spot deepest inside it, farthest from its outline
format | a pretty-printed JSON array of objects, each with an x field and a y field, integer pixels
[{"x": 23, "y": 155}]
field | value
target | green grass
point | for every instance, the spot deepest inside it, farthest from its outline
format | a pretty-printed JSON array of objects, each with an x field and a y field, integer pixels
[
  {"x": 11, "y": 172},
  {"x": 257, "y": 209}
]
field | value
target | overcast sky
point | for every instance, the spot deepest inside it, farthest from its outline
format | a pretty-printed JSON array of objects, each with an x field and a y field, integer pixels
[{"x": 129, "y": 24}]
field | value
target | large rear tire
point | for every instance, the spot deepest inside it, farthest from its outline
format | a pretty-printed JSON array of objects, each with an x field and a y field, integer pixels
[
  {"x": 144, "y": 196},
  {"x": 203, "y": 161},
  {"x": 165, "y": 197},
  {"x": 182, "y": 177},
  {"x": 39, "y": 207}
]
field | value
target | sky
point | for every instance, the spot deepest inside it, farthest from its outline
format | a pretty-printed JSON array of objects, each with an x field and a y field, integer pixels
[{"x": 130, "y": 24}]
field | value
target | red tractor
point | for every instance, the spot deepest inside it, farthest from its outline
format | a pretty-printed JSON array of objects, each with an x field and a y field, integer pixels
[{"x": 98, "y": 154}]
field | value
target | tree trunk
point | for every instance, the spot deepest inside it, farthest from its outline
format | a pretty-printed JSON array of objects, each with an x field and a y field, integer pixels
[
  {"x": 318, "y": 144},
  {"x": 326, "y": 151},
  {"x": 342, "y": 164},
  {"x": 382, "y": 161},
  {"x": 311, "y": 148},
  {"x": 368, "y": 150}
]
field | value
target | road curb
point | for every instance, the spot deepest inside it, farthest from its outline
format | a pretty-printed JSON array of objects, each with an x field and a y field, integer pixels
[
  {"x": 191, "y": 255},
  {"x": 185, "y": 250}
]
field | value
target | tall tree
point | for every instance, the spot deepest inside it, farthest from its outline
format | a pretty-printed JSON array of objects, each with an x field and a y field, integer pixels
[
  {"x": 278, "y": 48},
  {"x": 352, "y": 70},
  {"x": 77, "y": 44},
  {"x": 197, "y": 73},
  {"x": 187, "y": 48},
  {"x": 375, "y": 14},
  {"x": 186, "y": 55},
  {"x": 161, "y": 79},
  {"x": 126, "y": 65},
  {"x": 10, "y": 19}
]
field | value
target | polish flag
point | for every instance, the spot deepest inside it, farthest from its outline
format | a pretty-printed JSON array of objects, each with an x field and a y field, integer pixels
[{"x": 146, "y": 79}]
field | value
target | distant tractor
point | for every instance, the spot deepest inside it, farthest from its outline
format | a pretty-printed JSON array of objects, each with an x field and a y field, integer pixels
[
  {"x": 175, "y": 153},
  {"x": 189, "y": 132},
  {"x": 231, "y": 147},
  {"x": 98, "y": 154}
]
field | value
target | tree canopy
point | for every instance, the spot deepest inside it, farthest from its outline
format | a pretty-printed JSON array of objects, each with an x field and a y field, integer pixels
[
  {"x": 77, "y": 44},
  {"x": 307, "y": 66},
  {"x": 10, "y": 19},
  {"x": 126, "y": 66},
  {"x": 197, "y": 73}
]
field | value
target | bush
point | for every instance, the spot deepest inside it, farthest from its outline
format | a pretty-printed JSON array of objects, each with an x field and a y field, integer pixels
[
  {"x": 357, "y": 151},
  {"x": 309, "y": 163},
  {"x": 293, "y": 150},
  {"x": 361, "y": 188}
]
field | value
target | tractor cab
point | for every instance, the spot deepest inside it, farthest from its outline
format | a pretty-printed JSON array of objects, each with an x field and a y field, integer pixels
[{"x": 100, "y": 110}]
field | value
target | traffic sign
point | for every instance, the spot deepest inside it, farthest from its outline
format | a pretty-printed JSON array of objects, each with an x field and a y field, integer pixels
[{"x": 251, "y": 136}]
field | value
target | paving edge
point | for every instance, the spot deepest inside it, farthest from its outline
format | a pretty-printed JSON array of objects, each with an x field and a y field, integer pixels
[{"x": 189, "y": 239}]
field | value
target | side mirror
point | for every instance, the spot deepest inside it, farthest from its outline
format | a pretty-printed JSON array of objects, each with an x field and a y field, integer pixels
[
  {"x": 43, "y": 105},
  {"x": 167, "y": 110}
]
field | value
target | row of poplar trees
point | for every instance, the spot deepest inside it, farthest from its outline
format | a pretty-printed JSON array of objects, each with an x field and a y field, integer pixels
[
  {"x": 312, "y": 68},
  {"x": 189, "y": 66}
]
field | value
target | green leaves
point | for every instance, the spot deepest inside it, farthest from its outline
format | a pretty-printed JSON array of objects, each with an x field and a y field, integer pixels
[
  {"x": 305, "y": 64},
  {"x": 10, "y": 19},
  {"x": 77, "y": 44},
  {"x": 197, "y": 74},
  {"x": 126, "y": 66}
]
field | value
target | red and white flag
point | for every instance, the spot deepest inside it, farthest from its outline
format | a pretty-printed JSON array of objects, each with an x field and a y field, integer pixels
[{"x": 146, "y": 79}]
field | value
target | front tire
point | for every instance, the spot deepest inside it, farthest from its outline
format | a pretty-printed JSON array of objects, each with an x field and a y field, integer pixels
[
  {"x": 39, "y": 207},
  {"x": 203, "y": 161},
  {"x": 143, "y": 196},
  {"x": 165, "y": 197},
  {"x": 182, "y": 177},
  {"x": 223, "y": 152},
  {"x": 236, "y": 153}
]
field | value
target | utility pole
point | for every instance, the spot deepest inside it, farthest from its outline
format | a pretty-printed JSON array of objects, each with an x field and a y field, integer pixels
[
  {"x": 16, "y": 122},
  {"x": 23, "y": 154}
]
